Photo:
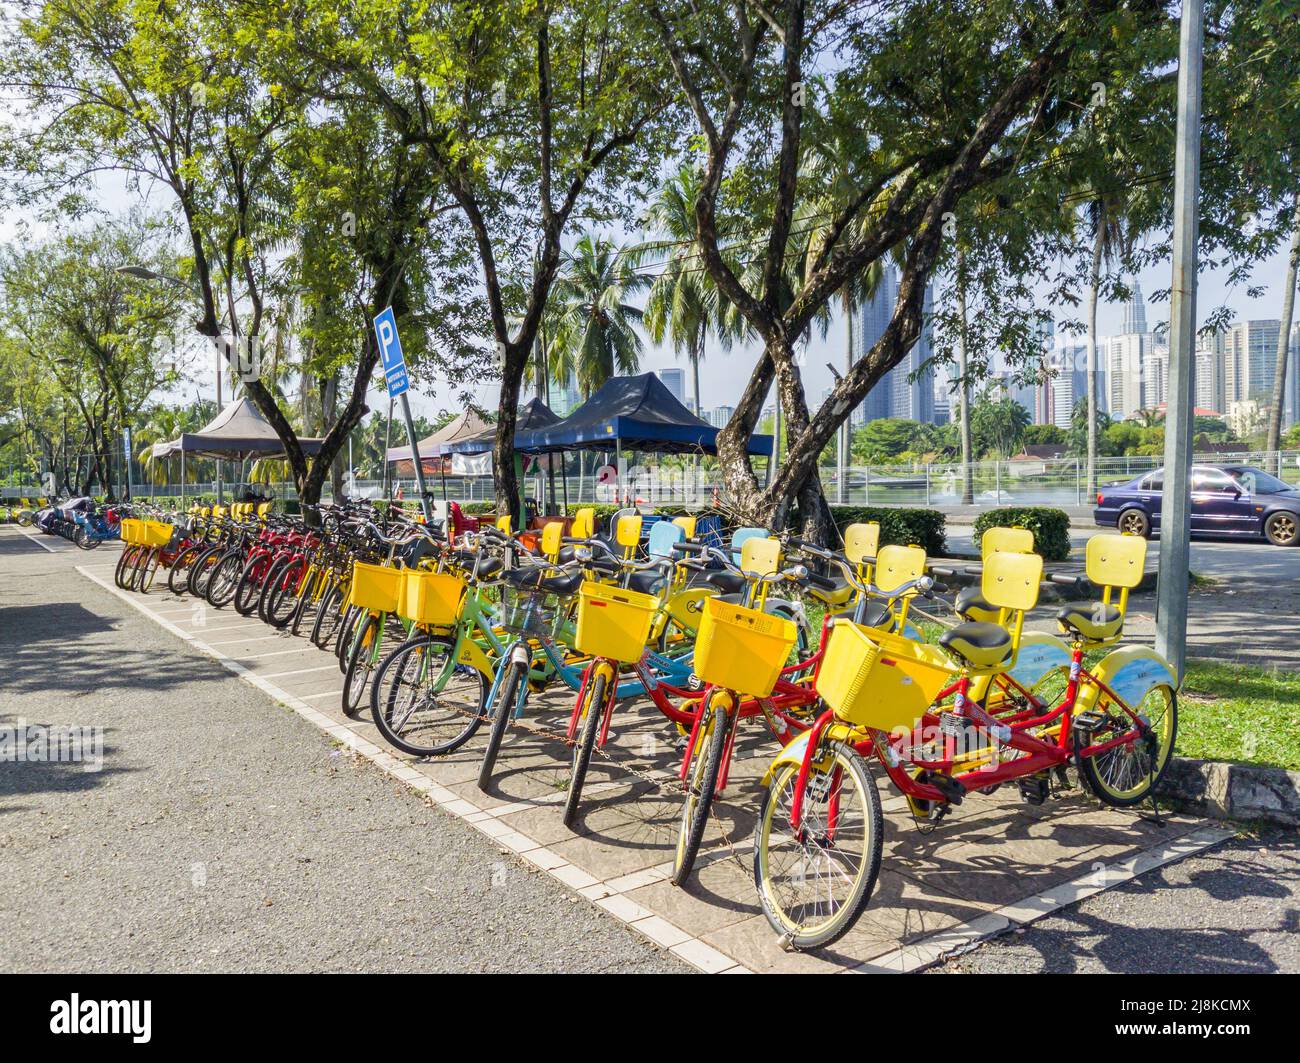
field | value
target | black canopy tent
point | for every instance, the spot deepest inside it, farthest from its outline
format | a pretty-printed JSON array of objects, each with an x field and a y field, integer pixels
[
  {"x": 532, "y": 416},
  {"x": 636, "y": 413},
  {"x": 236, "y": 433}
]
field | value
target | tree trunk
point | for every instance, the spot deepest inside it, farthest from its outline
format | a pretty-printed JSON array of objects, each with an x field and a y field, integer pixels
[
  {"x": 846, "y": 429},
  {"x": 963, "y": 394},
  {"x": 1275, "y": 409},
  {"x": 1094, "y": 281},
  {"x": 503, "y": 447}
]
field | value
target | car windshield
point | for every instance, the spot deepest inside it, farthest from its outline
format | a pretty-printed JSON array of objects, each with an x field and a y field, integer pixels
[{"x": 1256, "y": 482}]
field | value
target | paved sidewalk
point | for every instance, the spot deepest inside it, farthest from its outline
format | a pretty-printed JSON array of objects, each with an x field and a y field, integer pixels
[
  {"x": 226, "y": 833},
  {"x": 996, "y": 864}
]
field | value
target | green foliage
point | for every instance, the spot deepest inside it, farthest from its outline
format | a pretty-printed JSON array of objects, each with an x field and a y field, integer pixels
[
  {"x": 1043, "y": 434},
  {"x": 904, "y": 527},
  {"x": 1051, "y": 527},
  {"x": 997, "y": 423}
]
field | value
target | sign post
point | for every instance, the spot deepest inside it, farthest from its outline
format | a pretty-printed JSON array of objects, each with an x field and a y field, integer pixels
[{"x": 390, "y": 353}]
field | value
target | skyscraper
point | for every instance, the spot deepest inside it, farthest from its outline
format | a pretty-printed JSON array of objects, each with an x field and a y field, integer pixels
[
  {"x": 1250, "y": 360},
  {"x": 1135, "y": 312},
  {"x": 675, "y": 381},
  {"x": 895, "y": 394}
]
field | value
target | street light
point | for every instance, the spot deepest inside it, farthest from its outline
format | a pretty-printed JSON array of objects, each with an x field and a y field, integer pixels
[{"x": 144, "y": 273}]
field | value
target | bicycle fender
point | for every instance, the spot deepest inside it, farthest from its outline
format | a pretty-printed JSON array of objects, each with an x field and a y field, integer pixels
[
  {"x": 791, "y": 754},
  {"x": 1132, "y": 672},
  {"x": 686, "y": 606},
  {"x": 471, "y": 653},
  {"x": 1040, "y": 652}
]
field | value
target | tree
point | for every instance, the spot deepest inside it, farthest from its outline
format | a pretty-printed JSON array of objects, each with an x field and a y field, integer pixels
[
  {"x": 886, "y": 439},
  {"x": 104, "y": 342},
  {"x": 1278, "y": 400},
  {"x": 1043, "y": 435},
  {"x": 998, "y": 423},
  {"x": 931, "y": 134},
  {"x": 682, "y": 305},
  {"x": 596, "y": 334}
]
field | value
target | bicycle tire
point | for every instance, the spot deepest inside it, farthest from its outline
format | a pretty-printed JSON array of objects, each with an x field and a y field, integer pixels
[
  {"x": 1126, "y": 759},
  {"x": 305, "y": 600},
  {"x": 706, "y": 764},
  {"x": 279, "y": 601},
  {"x": 361, "y": 663},
  {"x": 253, "y": 579},
  {"x": 327, "y": 618},
  {"x": 196, "y": 582},
  {"x": 178, "y": 576},
  {"x": 145, "y": 569},
  {"x": 584, "y": 747},
  {"x": 223, "y": 580},
  {"x": 392, "y": 676},
  {"x": 507, "y": 694}
]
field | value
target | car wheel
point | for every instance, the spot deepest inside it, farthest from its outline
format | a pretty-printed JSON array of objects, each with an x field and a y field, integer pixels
[
  {"x": 1134, "y": 522},
  {"x": 1282, "y": 529}
]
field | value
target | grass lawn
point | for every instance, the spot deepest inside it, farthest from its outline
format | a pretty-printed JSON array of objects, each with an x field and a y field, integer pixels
[{"x": 1239, "y": 712}]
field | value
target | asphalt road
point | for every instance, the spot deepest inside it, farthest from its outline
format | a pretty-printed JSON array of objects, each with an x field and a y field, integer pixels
[
  {"x": 224, "y": 833},
  {"x": 1220, "y": 559},
  {"x": 1232, "y": 909}
]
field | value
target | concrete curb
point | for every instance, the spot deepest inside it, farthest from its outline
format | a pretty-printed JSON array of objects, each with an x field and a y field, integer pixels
[{"x": 1241, "y": 792}]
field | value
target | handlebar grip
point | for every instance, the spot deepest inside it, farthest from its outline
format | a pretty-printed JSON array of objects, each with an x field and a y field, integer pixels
[
  {"x": 689, "y": 548},
  {"x": 823, "y": 582}
]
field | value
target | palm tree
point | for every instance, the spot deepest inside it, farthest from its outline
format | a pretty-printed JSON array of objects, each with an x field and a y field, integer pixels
[
  {"x": 596, "y": 333},
  {"x": 683, "y": 303}
]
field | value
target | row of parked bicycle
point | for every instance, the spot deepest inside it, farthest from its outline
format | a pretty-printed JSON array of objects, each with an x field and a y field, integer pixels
[{"x": 439, "y": 637}]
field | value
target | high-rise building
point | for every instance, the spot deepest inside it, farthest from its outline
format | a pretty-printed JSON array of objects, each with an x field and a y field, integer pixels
[
  {"x": 675, "y": 381},
  {"x": 1135, "y": 312},
  {"x": 1210, "y": 394},
  {"x": 896, "y": 394},
  {"x": 1291, "y": 394},
  {"x": 565, "y": 397},
  {"x": 1250, "y": 360},
  {"x": 720, "y": 415},
  {"x": 1069, "y": 383}
]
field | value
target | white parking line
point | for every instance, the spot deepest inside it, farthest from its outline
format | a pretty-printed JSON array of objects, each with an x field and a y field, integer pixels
[
  {"x": 273, "y": 653},
  {"x": 236, "y": 642},
  {"x": 43, "y": 545},
  {"x": 301, "y": 671},
  {"x": 323, "y": 694}
]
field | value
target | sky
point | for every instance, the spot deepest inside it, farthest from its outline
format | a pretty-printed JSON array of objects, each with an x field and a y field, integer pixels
[{"x": 723, "y": 374}]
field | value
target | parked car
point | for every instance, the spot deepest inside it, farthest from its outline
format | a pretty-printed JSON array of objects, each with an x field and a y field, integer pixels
[{"x": 1236, "y": 500}]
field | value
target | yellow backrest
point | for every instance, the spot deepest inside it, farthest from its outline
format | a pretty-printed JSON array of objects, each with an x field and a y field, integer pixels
[
  {"x": 861, "y": 542},
  {"x": 503, "y": 524},
  {"x": 218, "y": 512},
  {"x": 1007, "y": 541},
  {"x": 687, "y": 524},
  {"x": 760, "y": 556},
  {"x": 1116, "y": 560},
  {"x": 628, "y": 532},
  {"x": 263, "y": 510},
  {"x": 584, "y": 523},
  {"x": 896, "y": 565},
  {"x": 1011, "y": 581},
  {"x": 551, "y": 536}
]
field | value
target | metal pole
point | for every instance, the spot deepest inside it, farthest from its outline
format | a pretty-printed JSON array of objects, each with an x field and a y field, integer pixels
[
  {"x": 388, "y": 434},
  {"x": 1175, "y": 516},
  {"x": 415, "y": 457},
  {"x": 220, "y": 493}
]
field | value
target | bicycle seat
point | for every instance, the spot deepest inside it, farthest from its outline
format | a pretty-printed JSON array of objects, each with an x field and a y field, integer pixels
[
  {"x": 647, "y": 581},
  {"x": 839, "y": 596},
  {"x": 979, "y": 644},
  {"x": 535, "y": 579},
  {"x": 725, "y": 580},
  {"x": 487, "y": 568},
  {"x": 877, "y": 614},
  {"x": 1095, "y": 622},
  {"x": 972, "y": 605}
]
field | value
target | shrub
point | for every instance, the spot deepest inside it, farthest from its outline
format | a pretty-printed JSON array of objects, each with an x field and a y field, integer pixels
[
  {"x": 904, "y": 527},
  {"x": 1051, "y": 527}
]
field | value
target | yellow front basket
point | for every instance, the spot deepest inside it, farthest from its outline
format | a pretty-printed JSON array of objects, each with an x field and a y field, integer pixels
[
  {"x": 742, "y": 649},
  {"x": 613, "y": 622},
  {"x": 871, "y": 678},
  {"x": 132, "y": 531},
  {"x": 145, "y": 532},
  {"x": 375, "y": 587},
  {"x": 431, "y": 598}
]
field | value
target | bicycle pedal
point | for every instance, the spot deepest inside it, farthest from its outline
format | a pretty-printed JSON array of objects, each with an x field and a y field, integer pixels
[
  {"x": 953, "y": 791},
  {"x": 1034, "y": 789},
  {"x": 1085, "y": 724}
]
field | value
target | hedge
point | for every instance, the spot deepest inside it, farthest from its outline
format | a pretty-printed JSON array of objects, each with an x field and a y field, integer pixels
[
  {"x": 904, "y": 527},
  {"x": 1051, "y": 527}
]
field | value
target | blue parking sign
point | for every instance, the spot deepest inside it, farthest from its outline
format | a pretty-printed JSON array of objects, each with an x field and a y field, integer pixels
[{"x": 390, "y": 353}]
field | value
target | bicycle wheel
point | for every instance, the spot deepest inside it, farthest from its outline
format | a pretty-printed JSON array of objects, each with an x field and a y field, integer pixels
[
  {"x": 224, "y": 579},
  {"x": 363, "y": 659},
  {"x": 125, "y": 565},
  {"x": 423, "y": 702},
  {"x": 815, "y": 878},
  {"x": 178, "y": 576},
  {"x": 256, "y": 575},
  {"x": 309, "y": 597},
  {"x": 280, "y": 595},
  {"x": 593, "y": 714},
  {"x": 1125, "y": 775},
  {"x": 201, "y": 571},
  {"x": 146, "y": 566},
  {"x": 344, "y": 636},
  {"x": 502, "y": 713},
  {"x": 702, "y": 773},
  {"x": 328, "y": 614}
]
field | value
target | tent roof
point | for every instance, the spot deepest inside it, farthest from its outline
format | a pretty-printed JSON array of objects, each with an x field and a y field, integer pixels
[
  {"x": 533, "y": 415},
  {"x": 460, "y": 427},
  {"x": 238, "y": 431},
  {"x": 639, "y": 413}
]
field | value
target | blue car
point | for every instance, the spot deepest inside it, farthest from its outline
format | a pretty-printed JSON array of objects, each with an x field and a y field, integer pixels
[{"x": 1227, "y": 500}]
